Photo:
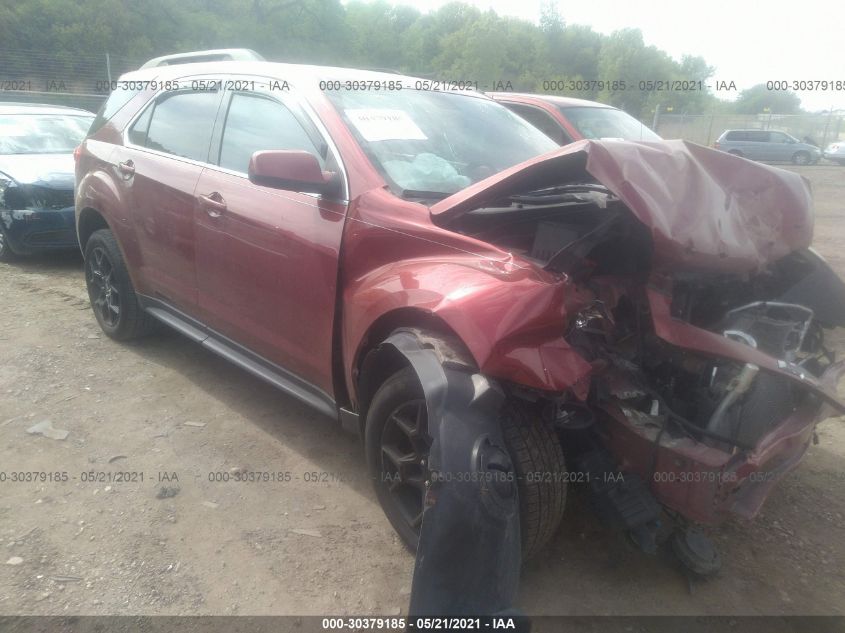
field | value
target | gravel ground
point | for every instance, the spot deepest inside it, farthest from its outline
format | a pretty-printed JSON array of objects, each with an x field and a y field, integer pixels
[{"x": 179, "y": 543}]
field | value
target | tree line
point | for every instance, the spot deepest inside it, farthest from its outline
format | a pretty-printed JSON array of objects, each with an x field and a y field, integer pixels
[{"x": 456, "y": 42}]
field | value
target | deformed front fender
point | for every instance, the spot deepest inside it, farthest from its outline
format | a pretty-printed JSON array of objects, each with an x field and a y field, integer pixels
[
  {"x": 510, "y": 318},
  {"x": 469, "y": 552}
]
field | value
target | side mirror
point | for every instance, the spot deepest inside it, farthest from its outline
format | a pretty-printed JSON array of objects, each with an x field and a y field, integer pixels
[{"x": 294, "y": 170}]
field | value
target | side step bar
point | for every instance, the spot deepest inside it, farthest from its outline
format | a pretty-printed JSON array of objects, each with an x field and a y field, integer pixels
[{"x": 244, "y": 358}]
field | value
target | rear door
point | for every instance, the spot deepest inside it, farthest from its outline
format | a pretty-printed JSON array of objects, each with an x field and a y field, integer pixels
[
  {"x": 166, "y": 147},
  {"x": 757, "y": 145},
  {"x": 267, "y": 258}
]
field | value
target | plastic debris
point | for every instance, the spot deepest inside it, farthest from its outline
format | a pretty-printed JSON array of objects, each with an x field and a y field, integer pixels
[
  {"x": 306, "y": 532},
  {"x": 46, "y": 429}
]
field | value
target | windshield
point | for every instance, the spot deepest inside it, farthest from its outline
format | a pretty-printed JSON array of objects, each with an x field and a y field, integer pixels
[
  {"x": 430, "y": 144},
  {"x": 601, "y": 123},
  {"x": 42, "y": 133}
]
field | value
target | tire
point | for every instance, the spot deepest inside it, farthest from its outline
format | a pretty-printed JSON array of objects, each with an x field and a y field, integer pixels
[
  {"x": 736, "y": 152},
  {"x": 110, "y": 290},
  {"x": 801, "y": 158},
  {"x": 540, "y": 467},
  {"x": 6, "y": 253},
  {"x": 532, "y": 444}
]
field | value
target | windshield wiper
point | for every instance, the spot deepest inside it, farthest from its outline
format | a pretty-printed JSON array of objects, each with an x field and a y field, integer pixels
[
  {"x": 561, "y": 192},
  {"x": 570, "y": 188},
  {"x": 424, "y": 195}
]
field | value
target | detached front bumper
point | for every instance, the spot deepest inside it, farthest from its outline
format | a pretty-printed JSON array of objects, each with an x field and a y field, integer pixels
[
  {"x": 33, "y": 230},
  {"x": 706, "y": 484}
]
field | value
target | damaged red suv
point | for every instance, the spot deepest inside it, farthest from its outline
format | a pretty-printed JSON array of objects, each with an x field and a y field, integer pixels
[{"x": 496, "y": 316}]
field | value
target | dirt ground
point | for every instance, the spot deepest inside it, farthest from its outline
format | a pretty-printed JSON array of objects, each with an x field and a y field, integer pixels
[{"x": 319, "y": 543}]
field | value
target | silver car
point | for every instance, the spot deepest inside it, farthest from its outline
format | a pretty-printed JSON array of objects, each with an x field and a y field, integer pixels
[
  {"x": 767, "y": 145},
  {"x": 835, "y": 152}
]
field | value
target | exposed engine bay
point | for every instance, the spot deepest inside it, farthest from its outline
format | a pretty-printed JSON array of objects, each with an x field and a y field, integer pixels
[{"x": 584, "y": 232}]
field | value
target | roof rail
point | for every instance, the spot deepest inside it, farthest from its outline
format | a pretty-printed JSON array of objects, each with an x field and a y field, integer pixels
[
  {"x": 216, "y": 55},
  {"x": 389, "y": 71}
]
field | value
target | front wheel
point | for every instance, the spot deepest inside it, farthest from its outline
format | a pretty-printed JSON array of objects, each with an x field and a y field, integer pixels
[
  {"x": 801, "y": 158},
  {"x": 6, "y": 254},
  {"x": 398, "y": 443},
  {"x": 110, "y": 290}
]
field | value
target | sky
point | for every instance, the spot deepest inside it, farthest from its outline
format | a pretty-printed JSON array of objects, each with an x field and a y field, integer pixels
[{"x": 748, "y": 42}]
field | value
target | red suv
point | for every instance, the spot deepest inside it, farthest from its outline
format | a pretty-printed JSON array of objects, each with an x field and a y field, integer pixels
[
  {"x": 496, "y": 316},
  {"x": 565, "y": 119}
]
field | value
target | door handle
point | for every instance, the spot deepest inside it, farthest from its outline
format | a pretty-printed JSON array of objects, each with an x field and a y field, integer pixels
[
  {"x": 213, "y": 203},
  {"x": 127, "y": 168}
]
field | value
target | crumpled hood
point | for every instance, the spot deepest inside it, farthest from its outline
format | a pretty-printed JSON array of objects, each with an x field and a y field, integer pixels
[
  {"x": 707, "y": 210},
  {"x": 55, "y": 171}
]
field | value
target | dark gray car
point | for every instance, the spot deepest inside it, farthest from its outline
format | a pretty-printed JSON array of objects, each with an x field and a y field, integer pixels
[
  {"x": 767, "y": 145},
  {"x": 36, "y": 177}
]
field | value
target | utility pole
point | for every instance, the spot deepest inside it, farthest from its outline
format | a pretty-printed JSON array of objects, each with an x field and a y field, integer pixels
[
  {"x": 710, "y": 127},
  {"x": 827, "y": 126}
]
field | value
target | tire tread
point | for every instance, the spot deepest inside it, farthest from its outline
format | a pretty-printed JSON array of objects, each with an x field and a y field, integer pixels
[{"x": 135, "y": 322}]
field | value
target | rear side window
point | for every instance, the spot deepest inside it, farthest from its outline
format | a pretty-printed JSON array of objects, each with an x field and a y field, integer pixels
[
  {"x": 179, "y": 124},
  {"x": 255, "y": 123},
  {"x": 759, "y": 137},
  {"x": 118, "y": 98},
  {"x": 736, "y": 136}
]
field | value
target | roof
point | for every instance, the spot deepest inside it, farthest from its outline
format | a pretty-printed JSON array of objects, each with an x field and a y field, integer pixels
[
  {"x": 12, "y": 107},
  {"x": 566, "y": 102}
]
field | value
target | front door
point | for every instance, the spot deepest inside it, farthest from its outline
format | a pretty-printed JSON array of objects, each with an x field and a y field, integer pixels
[
  {"x": 780, "y": 147},
  {"x": 267, "y": 258}
]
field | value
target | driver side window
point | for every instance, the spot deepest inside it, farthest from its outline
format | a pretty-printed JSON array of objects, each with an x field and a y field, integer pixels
[
  {"x": 541, "y": 120},
  {"x": 255, "y": 123}
]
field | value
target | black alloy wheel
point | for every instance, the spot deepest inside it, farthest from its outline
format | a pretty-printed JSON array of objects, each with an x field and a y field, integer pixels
[{"x": 104, "y": 294}]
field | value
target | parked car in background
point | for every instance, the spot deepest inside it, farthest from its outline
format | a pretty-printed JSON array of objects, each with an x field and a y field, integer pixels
[
  {"x": 36, "y": 176},
  {"x": 565, "y": 120},
  {"x": 835, "y": 152},
  {"x": 436, "y": 274},
  {"x": 767, "y": 145}
]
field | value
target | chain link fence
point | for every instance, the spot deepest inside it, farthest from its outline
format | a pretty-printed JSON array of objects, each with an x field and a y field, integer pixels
[
  {"x": 704, "y": 129},
  {"x": 78, "y": 80}
]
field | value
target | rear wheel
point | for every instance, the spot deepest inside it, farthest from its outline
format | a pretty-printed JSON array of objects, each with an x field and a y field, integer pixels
[
  {"x": 110, "y": 290},
  {"x": 735, "y": 152},
  {"x": 398, "y": 443}
]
